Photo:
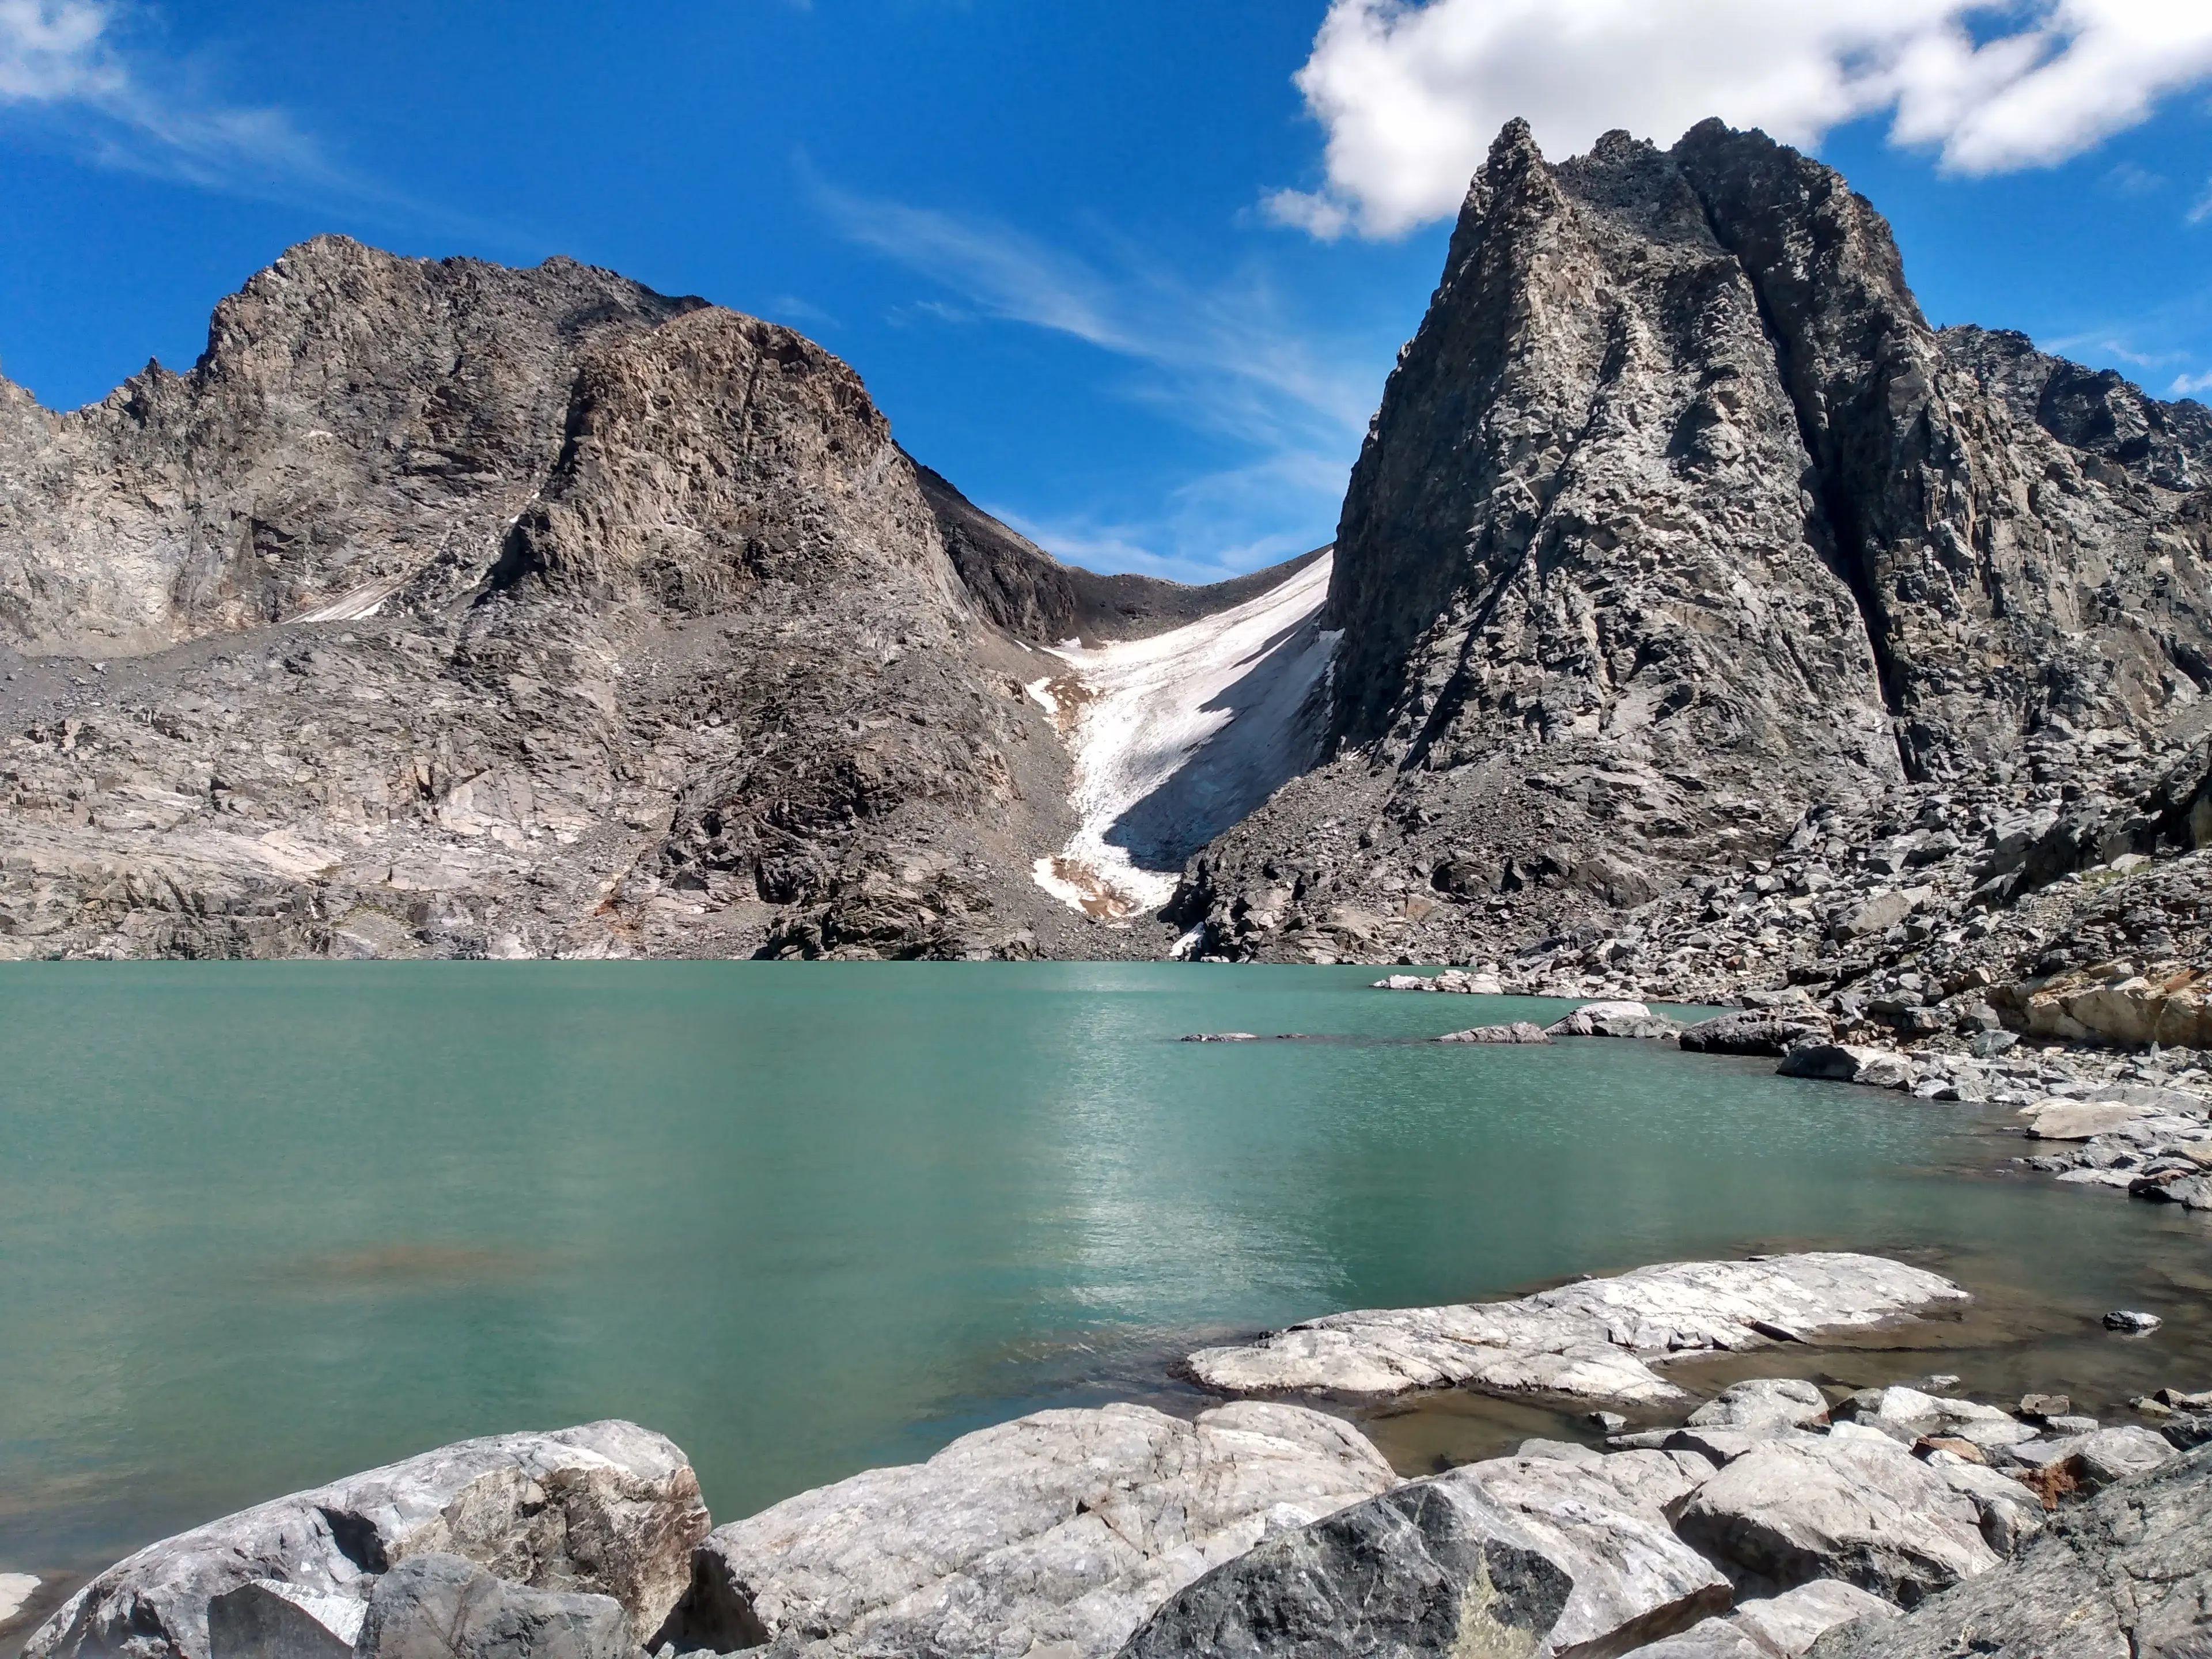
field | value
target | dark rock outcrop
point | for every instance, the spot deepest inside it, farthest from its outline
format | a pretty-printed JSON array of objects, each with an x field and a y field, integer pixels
[
  {"x": 2128, "y": 1576},
  {"x": 1417, "y": 1572}
]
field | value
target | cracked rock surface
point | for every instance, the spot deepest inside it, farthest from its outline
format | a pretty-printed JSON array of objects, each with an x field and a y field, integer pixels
[
  {"x": 1058, "y": 1532},
  {"x": 1594, "y": 1339},
  {"x": 608, "y": 1512}
]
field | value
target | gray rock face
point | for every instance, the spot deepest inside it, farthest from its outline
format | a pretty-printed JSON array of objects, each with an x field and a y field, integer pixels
[
  {"x": 1762, "y": 1402},
  {"x": 443, "y": 1607},
  {"x": 1614, "y": 1019},
  {"x": 2127, "y": 1575},
  {"x": 1754, "y": 1031},
  {"x": 1632, "y": 1578},
  {"x": 2010, "y": 1514},
  {"x": 1850, "y": 1506},
  {"x": 1679, "y": 542},
  {"x": 1063, "y": 1530},
  {"x": 1453, "y": 1566},
  {"x": 1520, "y": 1031},
  {"x": 1707, "y": 623},
  {"x": 1841, "y": 1062},
  {"x": 1715, "y": 1639},
  {"x": 1791, "y": 1622},
  {"x": 608, "y": 1510},
  {"x": 1418, "y": 1571},
  {"x": 2094, "y": 411},
  {"x": 1596, "y": 1339},
  {"x": 357, "y": 422}
]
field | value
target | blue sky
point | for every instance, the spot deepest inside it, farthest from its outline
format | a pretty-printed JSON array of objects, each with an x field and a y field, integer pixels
[{"x": 1111, "y": 269}]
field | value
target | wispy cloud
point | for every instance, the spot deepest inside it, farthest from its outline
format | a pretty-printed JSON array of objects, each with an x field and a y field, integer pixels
[
  {"x": 2202, "y": 210},
  {"x": 2188, "y": 385},
  {"x": 1411, "y": 91},
  {"x": 72, "y": 67},
  {"x": 1227, "y": 359}
]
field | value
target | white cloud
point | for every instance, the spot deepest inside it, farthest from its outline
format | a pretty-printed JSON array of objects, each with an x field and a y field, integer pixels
[
  {"x": 1225, "y": 360},
  {"x": 66, "y": 60},
  {"x": 51, "y": 51},
  {"x": 2188, "y": 385},
  {"x": 2198, "y": 214},
  {"x": 1411, "y": 95}
]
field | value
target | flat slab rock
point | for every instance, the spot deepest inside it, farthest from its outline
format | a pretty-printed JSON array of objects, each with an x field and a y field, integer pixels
[
  {"x": 608, "y": 1510},
  {"x": 1596, "y": 1339},
  {"x": 2126, "y": 1575},
  {"x": 1056, "y": 1533},
  {"x": 15, "y": 1589}
]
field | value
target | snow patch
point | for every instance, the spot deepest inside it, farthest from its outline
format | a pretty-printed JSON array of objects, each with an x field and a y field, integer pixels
[{"x": 1177, "y": 737}]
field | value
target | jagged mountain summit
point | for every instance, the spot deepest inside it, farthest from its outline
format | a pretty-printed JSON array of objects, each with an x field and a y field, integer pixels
[
  {"x": 1681, "y": 537},
  {"x": 1685, "y": 576}
]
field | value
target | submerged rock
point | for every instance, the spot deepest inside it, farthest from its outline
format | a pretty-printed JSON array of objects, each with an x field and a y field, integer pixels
[
  {"x": 1596, "y": 1339},
  {"x": 608, "y": 1510},
  {"x": 1059, "y": 1531}
]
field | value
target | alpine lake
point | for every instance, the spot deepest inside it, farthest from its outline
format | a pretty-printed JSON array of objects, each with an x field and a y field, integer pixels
[{"x": 263, "y": 1225}]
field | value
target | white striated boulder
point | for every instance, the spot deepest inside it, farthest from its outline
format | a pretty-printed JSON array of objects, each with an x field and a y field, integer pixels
[
  {"x": 608, "y": 1509},
  {"x": 1059, "y": 1532}
]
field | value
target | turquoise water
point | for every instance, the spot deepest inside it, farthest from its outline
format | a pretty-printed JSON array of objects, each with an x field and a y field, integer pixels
[{"x": 261, "y": 1224}]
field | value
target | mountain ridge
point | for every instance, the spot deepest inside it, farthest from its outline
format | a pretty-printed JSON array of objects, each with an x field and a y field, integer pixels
[{"x": 607, "y": 622}]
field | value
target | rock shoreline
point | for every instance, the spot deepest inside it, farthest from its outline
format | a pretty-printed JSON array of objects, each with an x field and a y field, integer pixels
[
  {"x": 2140, "y": 1122},
  {"x": 1777, "y": 1519}
]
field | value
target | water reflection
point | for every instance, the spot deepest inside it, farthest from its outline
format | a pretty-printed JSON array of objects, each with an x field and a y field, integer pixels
[{"x": 307, "y": 1218}]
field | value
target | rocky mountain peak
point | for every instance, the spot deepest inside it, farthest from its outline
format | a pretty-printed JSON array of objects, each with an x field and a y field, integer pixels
[{"x": 1678, "y": 523}]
